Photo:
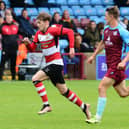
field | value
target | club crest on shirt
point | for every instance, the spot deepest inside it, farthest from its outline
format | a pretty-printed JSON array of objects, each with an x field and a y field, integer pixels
[
  {"x": 111, "y": 73},
  {"x": 106, "y": 31},
  {"x": 115, "y": 33},
  {"x": 45, "y": 37}
]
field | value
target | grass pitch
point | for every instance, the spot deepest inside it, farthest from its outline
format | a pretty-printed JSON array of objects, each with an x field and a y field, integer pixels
[{"x": 19, "y": 104}]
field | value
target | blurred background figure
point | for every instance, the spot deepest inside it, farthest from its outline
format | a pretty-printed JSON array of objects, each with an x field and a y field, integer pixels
[
  {"x": 126, "y": 22},
  {"x": 81, "y": 46},
  {"x": 67, "y": 22},
  {"x": 2, "y": 8},
  {"x": 56, "y": 19},
  {"x": 91, "y": 36},
  {"x": 25, "y": 25},
  {"x": 9, "y": 31}
]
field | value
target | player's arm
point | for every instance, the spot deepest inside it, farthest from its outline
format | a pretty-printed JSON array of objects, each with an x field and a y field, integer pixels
[
  {"x": 125, "y": 37},
  {"x": 31, "y": 46},
  {"x": 70, "y": 34},
  {"x": 122, "y": 64},
  {"x": 99, "y": 48}
]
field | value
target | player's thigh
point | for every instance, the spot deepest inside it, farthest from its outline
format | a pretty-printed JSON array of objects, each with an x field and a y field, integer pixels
[
  {"x": 40, "y": 75},
  {"x": 121, "y": 88},
  {"x": 106, "y": 82}
]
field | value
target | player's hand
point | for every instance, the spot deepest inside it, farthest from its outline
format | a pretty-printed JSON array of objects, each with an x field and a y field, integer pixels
[
  {"x": 121, "y": 65},
  {"x": 71, "y": 52},
  {"x": 90, "y": 60},
  {"x": 26, "y": 41}
]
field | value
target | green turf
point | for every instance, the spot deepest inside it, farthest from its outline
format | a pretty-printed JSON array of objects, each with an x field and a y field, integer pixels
[{"x": 19, "y": 104}]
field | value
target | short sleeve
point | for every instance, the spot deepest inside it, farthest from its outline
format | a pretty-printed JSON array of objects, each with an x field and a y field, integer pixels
[
  {"x": 124, "y": 35},
  {"x": 56, "y": 30}
]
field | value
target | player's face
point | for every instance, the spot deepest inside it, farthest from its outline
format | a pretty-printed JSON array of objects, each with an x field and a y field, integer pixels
[
  {"x": 108, "y": 18},
  {"x": 41, "y": 25}
]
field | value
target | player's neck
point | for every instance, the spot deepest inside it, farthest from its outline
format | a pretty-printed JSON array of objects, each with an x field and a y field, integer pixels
[
  {"x": 114, "y": 23},
  {"x": 45, "y": 29}
]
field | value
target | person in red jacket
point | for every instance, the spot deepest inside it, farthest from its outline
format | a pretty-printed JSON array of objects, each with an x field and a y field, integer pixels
[
  {"x": 48, "y": 38},
  {"x": 9, "y": 31}
]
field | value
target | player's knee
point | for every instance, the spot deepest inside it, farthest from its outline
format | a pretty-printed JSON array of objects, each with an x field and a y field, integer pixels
[
  {"x": 101, "y": 89},
  {"x": 123, "y": 95},
  {"x": 34, "y": 78}
]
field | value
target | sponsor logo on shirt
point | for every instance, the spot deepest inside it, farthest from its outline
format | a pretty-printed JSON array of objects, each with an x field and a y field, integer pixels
[
  {"x": 111, "y": 73},
  {"x": 115, "y": 33},
  {"x": 108, "y": 42},
  {"x": 45, "y": 37}
]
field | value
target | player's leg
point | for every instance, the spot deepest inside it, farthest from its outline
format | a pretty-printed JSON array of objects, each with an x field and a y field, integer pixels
[
  {"x": 71, "y": 96},
  {"x": 57, "y": 79},
  {"x": 37, "y": 81},
  {"x": 13, "y": 64},
  {"x": 121, "y": 89},
  {"x": 105, "y": 83}
]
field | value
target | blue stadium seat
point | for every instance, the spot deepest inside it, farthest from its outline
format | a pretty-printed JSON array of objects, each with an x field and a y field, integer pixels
[
  {"x": 84, "y": 2},
  {"x": 64, "y": 7},
  {"x": 63, "y": 44},
  {"x": 18, "y": 11},
  {"x": 100, "y": 10},
  {"x": 40, "y": 9},
  {"x": 96, "y": 2},
  {"x": 78, "y": 11},
  {"x": 124, "y": 11},
  {"x": 75, "y": 7},
  {"x": 73, "y": 2},
  {"x": 89, "y": 11},
  {"x": 32, "y": 18},
  {"x": 72, "y": 16},
  {"x": 32, "y": 11},
  {"x": 95, "y": 18},
  {"x": 80, "y": 31},
  {"x": 29, "y": 2},
  {"x": 62, "y": 2},
  {"x": 127, "y": 17},
  {"x": 53, "y": 10},
  {"x": 52, "y": 1},
  {"x": 107, "y": 2},
  {"x": 121, "y": 18},
  {"x": 102, "y": 19},
  {"x": 7, "y": 2}
]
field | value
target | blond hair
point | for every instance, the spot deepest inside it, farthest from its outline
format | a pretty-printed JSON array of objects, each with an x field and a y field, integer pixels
[
  {"x": 114, "y": 10},
  {"x": 44, "y": 17}
]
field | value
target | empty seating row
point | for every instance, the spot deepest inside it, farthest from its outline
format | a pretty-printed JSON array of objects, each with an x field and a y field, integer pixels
[
  {"x": 82, "y": 2},
  {"x": 74, "y": 10}
]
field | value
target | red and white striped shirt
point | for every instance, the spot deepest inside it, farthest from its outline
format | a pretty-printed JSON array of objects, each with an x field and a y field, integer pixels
[{"x": 49, "y": 43}]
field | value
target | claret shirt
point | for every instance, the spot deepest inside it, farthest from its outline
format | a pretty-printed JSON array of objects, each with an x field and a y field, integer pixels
[{"x": 113, "y": 40}]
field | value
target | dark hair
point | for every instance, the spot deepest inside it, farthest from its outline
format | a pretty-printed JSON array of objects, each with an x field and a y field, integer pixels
[
  {"x": 3, "y": 3},
  {"x": 23, "y": 10},
  {"x": 44, "y": 17},
  {"x": 114, "y": 10}
]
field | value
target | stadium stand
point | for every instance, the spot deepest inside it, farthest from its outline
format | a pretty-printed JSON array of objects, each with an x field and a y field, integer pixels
[
  {"x": 40, "y": 9},
  {"x": 84, "y": 2}
]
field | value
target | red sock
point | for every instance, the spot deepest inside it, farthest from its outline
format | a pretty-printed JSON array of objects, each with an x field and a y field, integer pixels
[
  {"x": 75, "y": 99},
  {"x": 42, "y": 92}
]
